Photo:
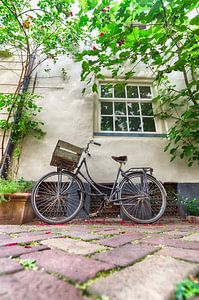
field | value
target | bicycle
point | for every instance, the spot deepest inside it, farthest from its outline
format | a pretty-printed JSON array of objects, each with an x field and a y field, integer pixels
[{"x": 59, "y": 196}]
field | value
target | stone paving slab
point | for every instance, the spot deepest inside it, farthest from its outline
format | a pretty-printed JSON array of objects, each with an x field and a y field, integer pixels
[
  {"x": 176, "y": 243},
  {"x": 126, "y": 254},
  {"x": 15, "y": 250},
  {"x": 84, "y": 235},
  {"x": 77, "y": 228},
  {"x": 147, "y": 230},
  {"x": 111, "y": 231},
  {"x": 193, "y": 237},
  {"x": 117, "y": 241},
  {"x": 34, "y": 233},
  {"x": 187, "y": 227},
  {"x": 38, "y": 228},
  {"x": 186, "y": 254},
  {"x": 73, "y": 246},
  {"x": 31, "y": 285},
  {"x": 4, "y": 236},
  {"x": 28, "y": 239},
  {"x": 178, "y": 234},
  {"x": 162, "y": 235},
  {"x": 75, "y": 267},
  {"x": 153, "y": 279},
  {"x": 8, "y": 265},
  {"x": 13, "y": 229}
]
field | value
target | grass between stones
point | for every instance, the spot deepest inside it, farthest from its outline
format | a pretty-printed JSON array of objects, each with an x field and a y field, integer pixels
[
  {"x": 99, "y": 251},
  {"x": 80, "y": 239},
  {"x": 14, "y": 235},
  {"x": 103, "y": 274},
  {"x": 109, "y": 235},
  {"x": 81, "y": 287},
  {"x": 28, "y": 263},
  {"x": 29, "y": 244}
]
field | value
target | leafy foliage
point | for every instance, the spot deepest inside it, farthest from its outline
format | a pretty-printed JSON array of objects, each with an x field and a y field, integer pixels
[
  {"x": 164, "y": 36},
  {"x": 5, "y": 53},
  {"x": 26, "y": 123},
  {"x": 13, "y": 186},
  {"x": 46, "y": 29},
  {"x": 28, "y": 263},
  {"x": 191, "y": 206},
  {"x": 186, "y": 289}
]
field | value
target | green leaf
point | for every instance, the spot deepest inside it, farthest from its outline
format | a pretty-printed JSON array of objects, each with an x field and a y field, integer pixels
[
  {"x": 83, "y": 20},
  {"x": 94, "y": 88},
  {"x": 195, "y": 20}
]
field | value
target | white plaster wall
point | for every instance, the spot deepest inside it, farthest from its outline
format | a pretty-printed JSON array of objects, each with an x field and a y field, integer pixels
[{"x": 69, "y": 116}]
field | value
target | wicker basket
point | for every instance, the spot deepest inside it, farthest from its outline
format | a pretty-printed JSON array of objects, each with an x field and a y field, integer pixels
[{"x": 66, "y": 155}]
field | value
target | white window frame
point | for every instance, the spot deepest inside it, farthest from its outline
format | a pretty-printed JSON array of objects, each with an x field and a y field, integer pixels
[{"x": 126, "y": 100}]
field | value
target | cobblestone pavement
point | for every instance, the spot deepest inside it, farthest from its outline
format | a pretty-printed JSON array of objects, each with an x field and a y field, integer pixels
[{"x": 118, "y": 260}]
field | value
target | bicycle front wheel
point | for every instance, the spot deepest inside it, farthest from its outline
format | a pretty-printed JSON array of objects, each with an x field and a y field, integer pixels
[
  {"x": 57, "y": 197},
  {"x": 143, "y": 198}
]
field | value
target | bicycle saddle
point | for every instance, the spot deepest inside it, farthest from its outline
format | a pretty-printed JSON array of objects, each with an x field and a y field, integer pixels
[{"x": 120, "y": 159}]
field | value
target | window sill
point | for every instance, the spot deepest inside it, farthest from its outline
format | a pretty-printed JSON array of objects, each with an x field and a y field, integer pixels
[{"x": 130, "y": 134}]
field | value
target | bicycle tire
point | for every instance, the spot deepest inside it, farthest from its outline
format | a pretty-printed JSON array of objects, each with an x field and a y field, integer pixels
[
  {"x": 56, "y": 201},
  {"x": 145, "y": 202}
]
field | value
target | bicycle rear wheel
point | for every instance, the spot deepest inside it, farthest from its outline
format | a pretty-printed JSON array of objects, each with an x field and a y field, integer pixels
[
  {"x": 144, "y": 198},
  {"x": 57, "y": 197}
]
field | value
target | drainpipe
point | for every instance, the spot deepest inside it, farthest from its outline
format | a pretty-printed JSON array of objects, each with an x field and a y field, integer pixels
[{"x": 10, "y": 145}]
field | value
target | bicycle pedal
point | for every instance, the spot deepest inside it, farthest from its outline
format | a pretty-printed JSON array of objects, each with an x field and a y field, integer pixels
[
  {"x": 117, "y": 203},
  {"x": 92, "y": 215}
]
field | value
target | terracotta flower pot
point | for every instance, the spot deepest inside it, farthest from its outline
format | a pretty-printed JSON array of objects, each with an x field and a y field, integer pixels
[{"x": 17, "y": 210}]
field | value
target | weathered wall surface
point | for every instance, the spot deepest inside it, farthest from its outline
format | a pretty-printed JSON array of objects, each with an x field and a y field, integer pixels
[{"x": 70, "y": 116}]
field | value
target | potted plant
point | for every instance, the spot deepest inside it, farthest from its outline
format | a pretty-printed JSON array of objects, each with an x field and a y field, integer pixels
[
  {"x": 191, "y": 208},
  {"x": 15, "y": 206}
]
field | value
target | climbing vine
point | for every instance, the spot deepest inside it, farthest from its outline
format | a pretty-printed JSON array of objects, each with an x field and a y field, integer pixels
[{"x": 31, "y": 33}]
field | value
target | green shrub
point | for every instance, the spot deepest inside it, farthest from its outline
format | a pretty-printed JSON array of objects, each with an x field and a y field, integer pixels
[
  {"x": 191, "y": 206},
  {"x": 13, "y": 186}
]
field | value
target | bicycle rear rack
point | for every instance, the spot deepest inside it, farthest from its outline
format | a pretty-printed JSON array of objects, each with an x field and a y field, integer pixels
[{"x": 142, "y": 169}]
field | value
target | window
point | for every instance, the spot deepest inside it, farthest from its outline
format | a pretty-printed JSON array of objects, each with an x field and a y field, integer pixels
[{"x": 126, "y": 108}]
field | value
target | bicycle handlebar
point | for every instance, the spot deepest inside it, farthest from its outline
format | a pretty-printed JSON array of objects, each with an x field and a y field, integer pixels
[
  {"x": 97, "y": 144},
  {"x": 94, "y": 143},
  {"x": 87, "y": 147}
]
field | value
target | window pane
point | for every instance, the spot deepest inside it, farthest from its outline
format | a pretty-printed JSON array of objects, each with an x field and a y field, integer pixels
[
  {"x": 132, "y": 91},
  {"x": 119, "y": 91},
  {"x": 149, "y": 124},
  {"x": 107, "y": 123},
  {"x": 106, "y": 91},
  {"x": 147, "y": 109},
  {"x": 145, "y": 92},
  {"x": 121, "y": 124},
  {"x": 135, "y": 124},
  {"x": 133, "y": 109},
  {"x": 120, "y": 108},
  {"x": 106, "y": 108}
]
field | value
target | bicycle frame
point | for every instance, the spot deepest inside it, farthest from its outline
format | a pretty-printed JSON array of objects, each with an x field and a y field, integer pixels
[
  {"x": 121, "y": 175},
  {"x": 114, "y": 189},
  {"x": 96, "y": 186}
]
